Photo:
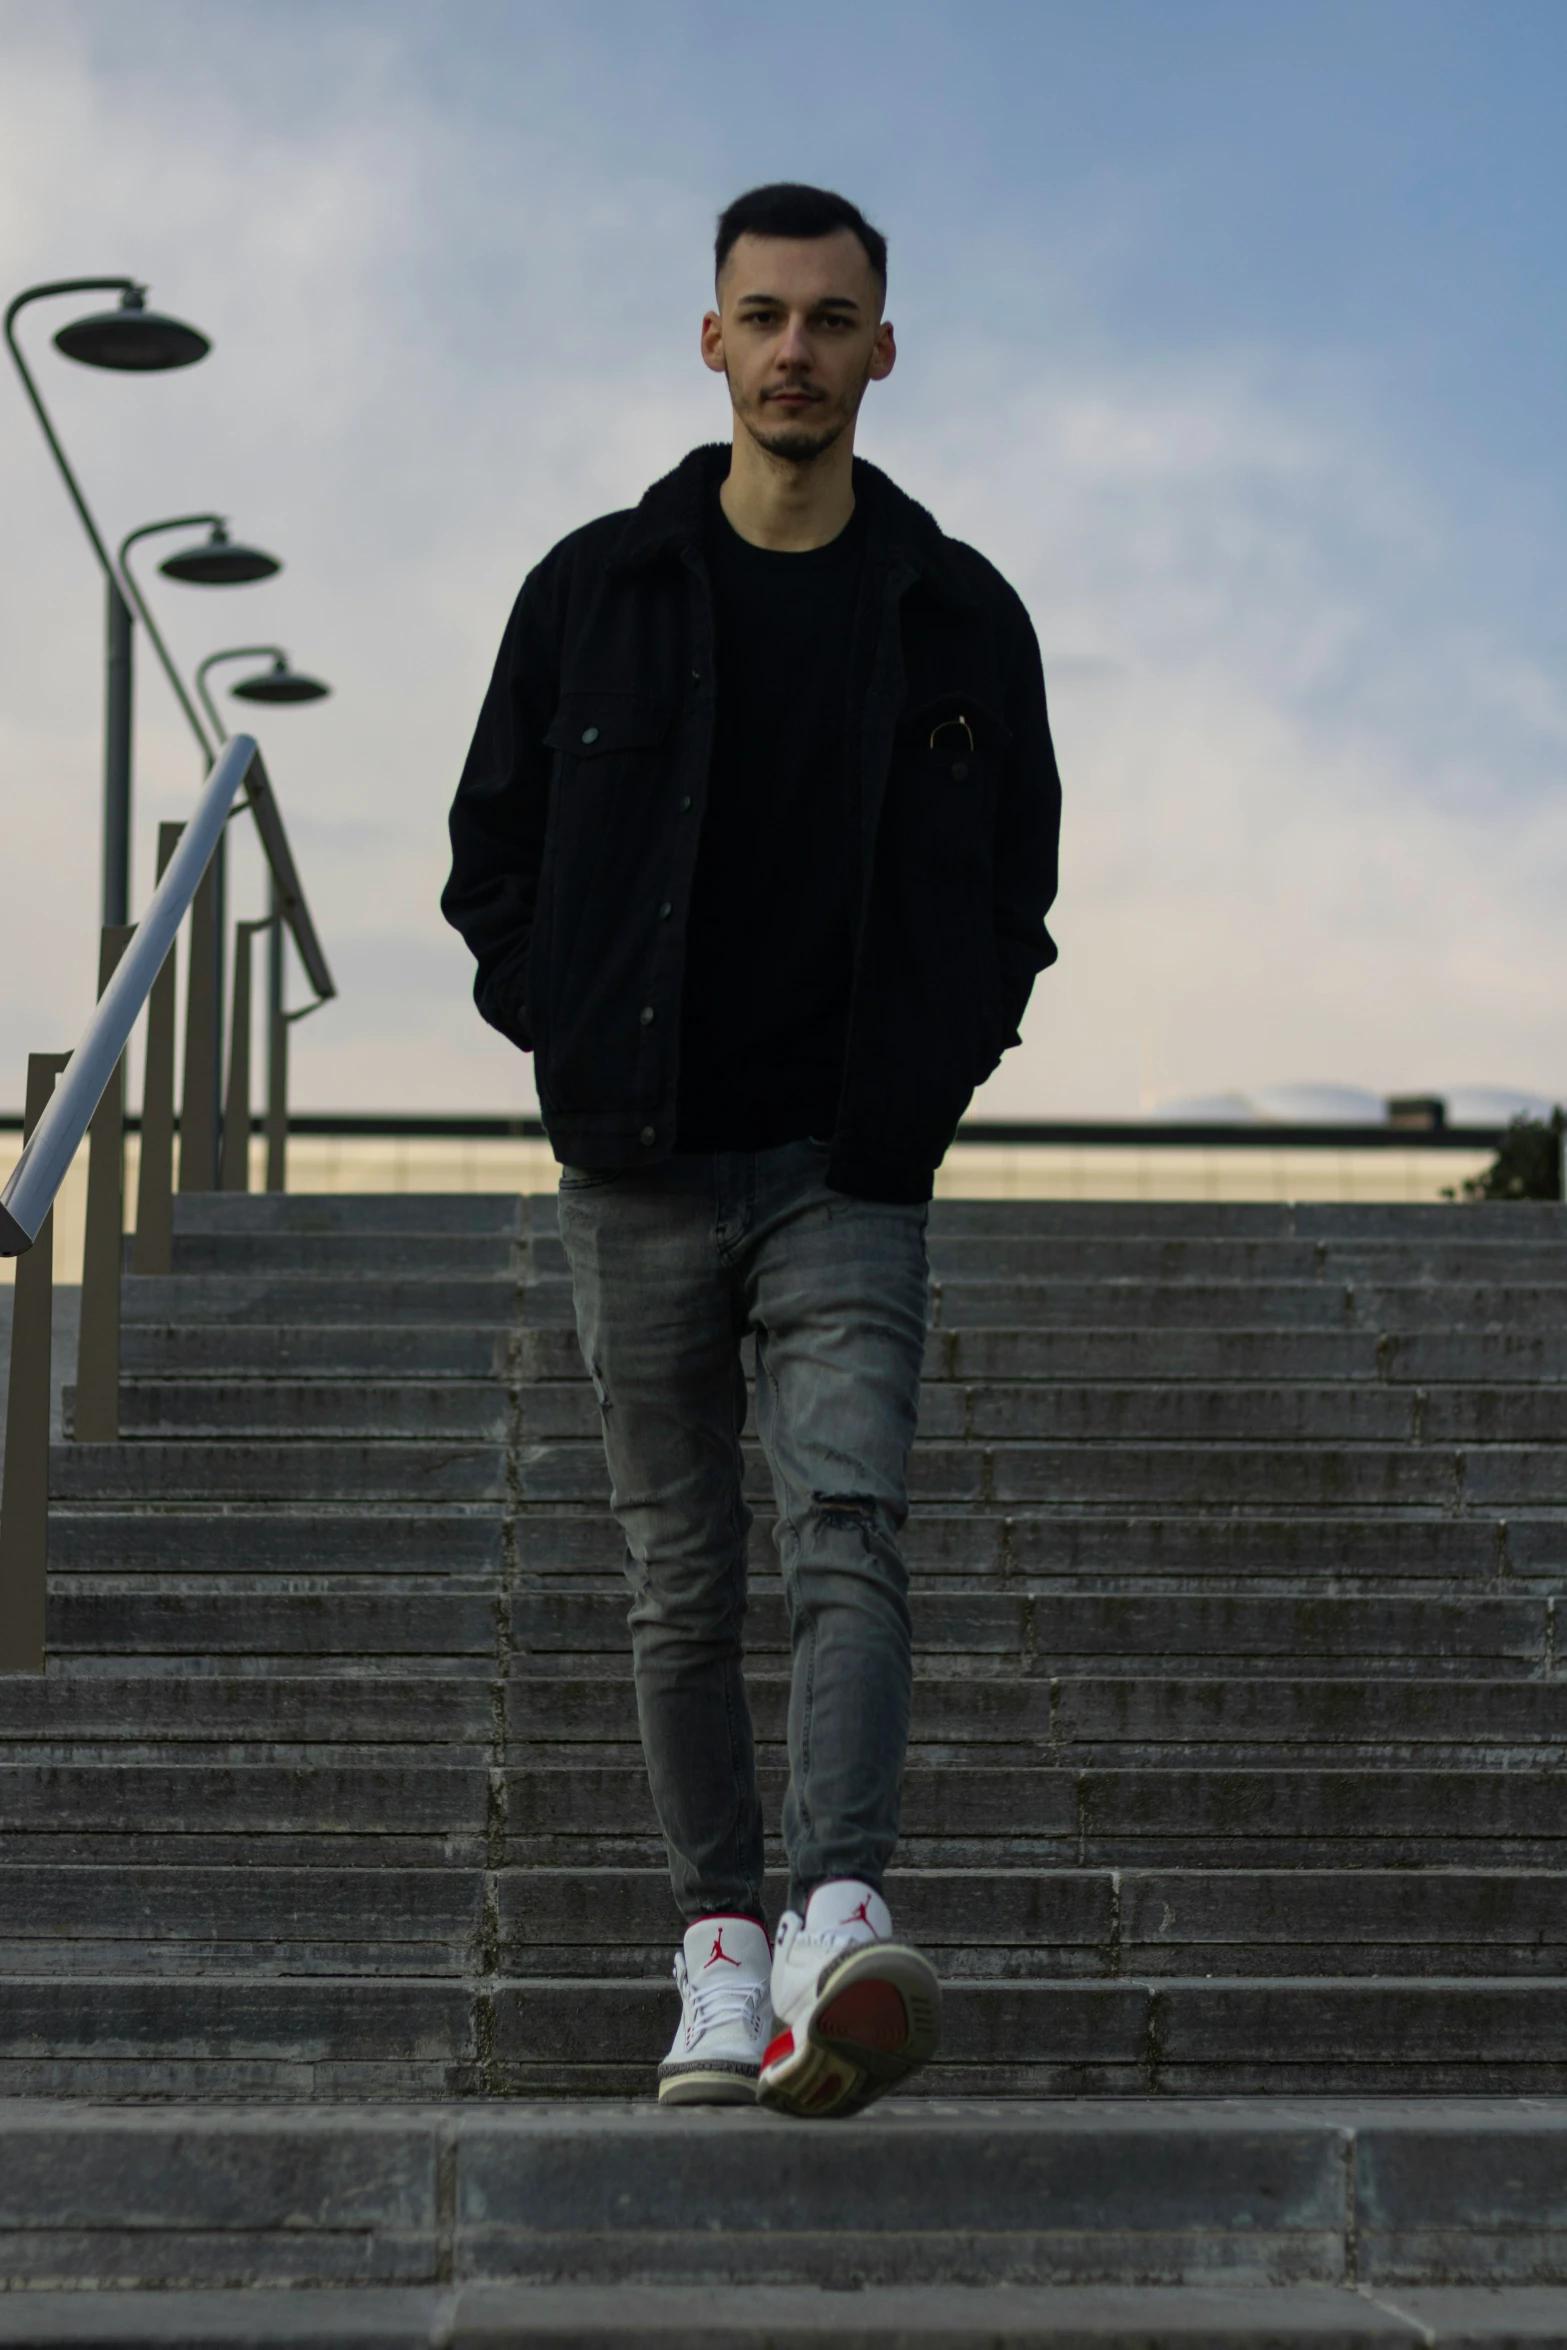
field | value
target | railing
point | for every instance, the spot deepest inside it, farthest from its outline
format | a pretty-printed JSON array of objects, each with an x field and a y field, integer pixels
[{"x": 73, "y": 1095}]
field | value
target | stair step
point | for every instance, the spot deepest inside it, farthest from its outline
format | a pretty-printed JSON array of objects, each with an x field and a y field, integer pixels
[
  {"x": 460, "y": 1469},
  {"x": 1065, "y": 1304},
  {"x": 321, "y": 1409},
  {"x": 1105, "y": 1548},
  {"x": 1477, "y": 2036},
  {"x": 247, "y": 1214},
  {"x": 183, "y": 1298},
  {"x": 345, "y": 1350},
  {"x": 1191, "y": 1476},
  {"x": 978, "y": 1353},
  {"x": 1081, "y": 1921},
  {"x": 373, "y": 1255},
  {"x": 999, "y": 1924},
  {"x": 1412, "y": 1636},
  {"x": 235, "y": 1541},
  {"x": 1397, "y": 2194},
  {"x": 787, "y": 2317},
  {"x": 1325, "y": 1220},
  {"x": 1398, "y": 1355},
  {"x": 348, "y": 1616},
  {"x": 1076, "y": 1719},
  {"x": 1080, "y": 1412},
  {"x": 1067, "y": 1711},
  {"x": 441, "y": 1708},
  {"x": 1119, "y": 1817}
]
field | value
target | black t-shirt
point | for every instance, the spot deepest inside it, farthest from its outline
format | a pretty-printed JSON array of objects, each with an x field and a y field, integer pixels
[{"x": 770, "y": 936}]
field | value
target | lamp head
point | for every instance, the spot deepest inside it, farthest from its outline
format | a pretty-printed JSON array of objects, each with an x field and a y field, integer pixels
[
  {"x": 220, "y": 562},
  {"x": 280, "y": 683},
  {"x": 133, "y": 339}
]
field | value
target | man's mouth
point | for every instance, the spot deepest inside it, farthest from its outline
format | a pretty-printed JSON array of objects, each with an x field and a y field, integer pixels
[{"x": 793, "y": 398}]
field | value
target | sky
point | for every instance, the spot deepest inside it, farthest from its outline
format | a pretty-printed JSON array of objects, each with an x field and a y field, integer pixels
[{"x": 1234, "y": 334}]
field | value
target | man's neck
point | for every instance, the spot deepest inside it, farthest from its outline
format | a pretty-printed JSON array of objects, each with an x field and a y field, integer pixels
[{"x": 787, "y": 507}]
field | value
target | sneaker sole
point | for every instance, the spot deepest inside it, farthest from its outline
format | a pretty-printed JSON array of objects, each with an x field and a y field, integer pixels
[
  {"x": 875, "y": 2020},
  {"x": 702, "y": 2085}
]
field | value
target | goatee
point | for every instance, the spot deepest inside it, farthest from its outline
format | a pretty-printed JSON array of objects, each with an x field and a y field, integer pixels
[{"x": 794, "y": 446}]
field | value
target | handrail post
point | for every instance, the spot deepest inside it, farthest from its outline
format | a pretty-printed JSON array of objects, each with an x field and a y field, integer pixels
[
  {"x": 277, "y": 1055},
  {"x": 203, "y": 1018},
  {"x": 117, "y": 759},
  {"x": 236, "y": 1106},
  {"x": 154, "y": 1249},
  {"x": 103, "y": 1253},
  {"x": 24, "y": 1492}
]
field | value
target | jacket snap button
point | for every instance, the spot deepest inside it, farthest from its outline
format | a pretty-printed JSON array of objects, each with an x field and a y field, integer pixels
[
  {"x": 648, "y": 1135},
  {"x": 665, "y": 910},
  {"x": 590, "y": 734},
  {"x": 960, "y": 769},
  {"x": 647, "y": 1015},
  {"x": 685, "y": 803}
]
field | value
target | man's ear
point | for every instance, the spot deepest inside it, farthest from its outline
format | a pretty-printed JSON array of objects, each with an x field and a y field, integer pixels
[
  {"x": 713, "y": 342},
  {"x": 884, "y": 353}
]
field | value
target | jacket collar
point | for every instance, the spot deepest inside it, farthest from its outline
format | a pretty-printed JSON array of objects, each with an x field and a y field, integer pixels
[{"x": 902, "y": 534}]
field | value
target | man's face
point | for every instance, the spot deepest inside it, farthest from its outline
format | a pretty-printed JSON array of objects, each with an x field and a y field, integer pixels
[{"x": 799, "y": 333}]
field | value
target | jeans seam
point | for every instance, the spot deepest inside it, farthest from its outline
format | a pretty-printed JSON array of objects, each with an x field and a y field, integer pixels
[
  {"x": 736, "y": 1759},
  {"x": 764, "y": 1371}
]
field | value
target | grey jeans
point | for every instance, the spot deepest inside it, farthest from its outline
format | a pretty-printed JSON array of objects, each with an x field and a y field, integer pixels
[{"x": 670, "y": 1269}]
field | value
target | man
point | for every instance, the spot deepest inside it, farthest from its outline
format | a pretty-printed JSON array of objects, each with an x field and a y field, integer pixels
[{"x": 753, "y": 849}]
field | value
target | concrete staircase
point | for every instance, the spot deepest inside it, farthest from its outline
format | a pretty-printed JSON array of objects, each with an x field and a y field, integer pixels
[{"x": 1237, "y": 1761}]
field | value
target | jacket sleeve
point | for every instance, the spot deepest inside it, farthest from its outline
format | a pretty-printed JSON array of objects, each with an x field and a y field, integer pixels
[
  {"x": 1028, "y": 829},
  {"x": 498, "y": 816}
]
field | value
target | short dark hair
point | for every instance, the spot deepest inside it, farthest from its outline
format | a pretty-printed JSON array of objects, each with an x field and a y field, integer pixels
[{"x": 787, "y": 208}]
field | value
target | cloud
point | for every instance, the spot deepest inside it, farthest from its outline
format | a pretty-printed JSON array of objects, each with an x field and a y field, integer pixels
[{"x": 1313, "y": 750}]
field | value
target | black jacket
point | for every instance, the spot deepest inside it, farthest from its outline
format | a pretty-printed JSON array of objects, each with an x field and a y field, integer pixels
[{"x": 575, "y": 828}]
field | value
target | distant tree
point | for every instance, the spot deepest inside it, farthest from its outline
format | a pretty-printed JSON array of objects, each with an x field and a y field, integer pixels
[{"x": 1529, "y": 1163}]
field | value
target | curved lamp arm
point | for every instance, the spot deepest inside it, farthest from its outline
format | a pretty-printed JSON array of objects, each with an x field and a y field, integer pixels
[
  {"x": 234, "y": 653},
  {"x": 67, "y": 285},
  {"x": 150, "y": 530}
]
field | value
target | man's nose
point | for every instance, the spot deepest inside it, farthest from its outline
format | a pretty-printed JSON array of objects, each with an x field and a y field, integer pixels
[{"x": 794, "y": 348}]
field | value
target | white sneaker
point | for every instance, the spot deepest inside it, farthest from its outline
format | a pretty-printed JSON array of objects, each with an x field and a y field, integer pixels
[
  {"x": 856, "y": 2012},
  {"x": 726, "y": 2016}
]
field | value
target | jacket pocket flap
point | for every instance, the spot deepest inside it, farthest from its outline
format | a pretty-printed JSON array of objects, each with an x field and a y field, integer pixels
[
  {"x": 589, "y": 725},
  {"x": 951, "y": 717}
]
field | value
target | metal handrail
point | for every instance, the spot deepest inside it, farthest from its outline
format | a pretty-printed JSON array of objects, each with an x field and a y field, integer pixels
[{"x": 37, "y": 1176}]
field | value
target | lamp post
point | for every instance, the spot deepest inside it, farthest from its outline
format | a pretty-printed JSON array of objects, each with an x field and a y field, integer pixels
[
  {"x": 280, "y": 683},
  {"x": 131, "y": 340},
  {"x": 216, "y": 561}
]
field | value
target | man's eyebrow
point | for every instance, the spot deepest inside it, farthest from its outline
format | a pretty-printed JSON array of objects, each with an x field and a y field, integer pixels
[{"x": 777, "y": 302}]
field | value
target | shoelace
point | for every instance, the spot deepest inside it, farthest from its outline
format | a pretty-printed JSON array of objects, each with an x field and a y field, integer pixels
[{"x": 722, "y": 2003}]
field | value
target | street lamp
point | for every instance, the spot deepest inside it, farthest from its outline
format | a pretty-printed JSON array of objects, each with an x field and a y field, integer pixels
[
  {"x": 276, "y": 685},
  {"x": 215, "y": 562},
  {"x": 218, "y": 562},
  {"x": 280, "y": 683},
  {"x": 130, "y": 340}
]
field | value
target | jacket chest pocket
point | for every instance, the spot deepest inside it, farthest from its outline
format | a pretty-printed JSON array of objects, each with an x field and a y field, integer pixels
[
  {"x": 946, "y": 771},
  {"x": 607, "y": 743}
]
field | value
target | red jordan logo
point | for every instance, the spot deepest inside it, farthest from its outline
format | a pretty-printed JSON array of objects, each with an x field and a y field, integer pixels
[
  {"x": 860, "y": 1916},
  {"x": 718, "y": 1952}
]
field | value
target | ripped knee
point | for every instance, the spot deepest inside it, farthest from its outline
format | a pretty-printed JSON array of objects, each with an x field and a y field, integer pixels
[{"x": 846, "y": 1513}]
